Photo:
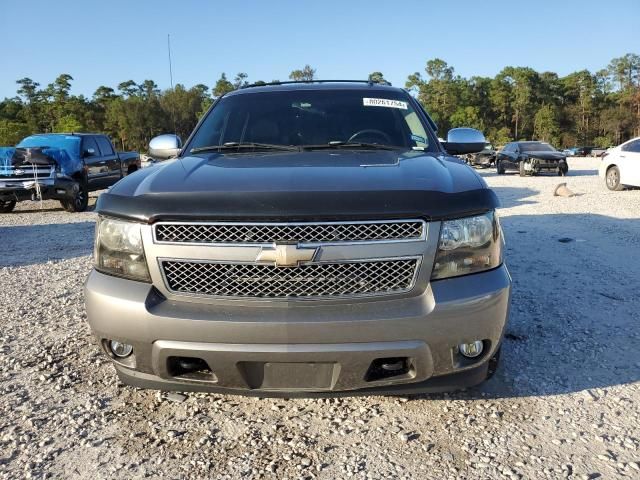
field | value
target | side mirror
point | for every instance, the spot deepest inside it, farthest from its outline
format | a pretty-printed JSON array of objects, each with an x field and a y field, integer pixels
[
  {"x": 89, "y": 152},
  {"x": 165, "y": 146},
  {"x": 464, "y": 140}
]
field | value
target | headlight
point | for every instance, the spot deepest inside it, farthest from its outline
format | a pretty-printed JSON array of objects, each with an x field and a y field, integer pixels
[
  {"x": 468, "y": 245},
  {"x": 118, "y": 249}
]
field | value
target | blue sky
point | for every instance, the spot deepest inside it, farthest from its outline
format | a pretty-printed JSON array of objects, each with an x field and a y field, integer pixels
[{"x": 107, "y": 42}]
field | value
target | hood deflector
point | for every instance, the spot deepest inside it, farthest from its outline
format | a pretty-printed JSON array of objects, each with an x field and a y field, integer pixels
[{"x": 298, "y": 206}]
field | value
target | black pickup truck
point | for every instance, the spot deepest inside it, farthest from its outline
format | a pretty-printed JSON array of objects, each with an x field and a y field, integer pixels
[{"x": 63, "y": 167}]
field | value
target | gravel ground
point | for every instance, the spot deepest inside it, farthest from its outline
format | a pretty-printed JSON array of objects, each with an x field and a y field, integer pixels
[{"x": 564, "y": 403}]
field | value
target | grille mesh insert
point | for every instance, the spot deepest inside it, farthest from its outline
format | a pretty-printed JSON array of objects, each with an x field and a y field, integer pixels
[
  {"x": 304, "y": 233},
  {"x": 312, "y": 280}
]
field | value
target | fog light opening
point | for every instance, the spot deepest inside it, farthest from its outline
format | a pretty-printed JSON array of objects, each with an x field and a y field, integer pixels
[
  {"x": 471, "y": 350},
  {"x": 119, "y": 349}
]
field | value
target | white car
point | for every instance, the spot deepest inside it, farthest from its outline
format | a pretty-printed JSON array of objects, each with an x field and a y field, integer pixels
[{"x": 620, "y": 166}]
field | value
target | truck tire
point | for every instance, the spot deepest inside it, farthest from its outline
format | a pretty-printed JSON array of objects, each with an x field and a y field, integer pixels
[
  {"x": 80, "y": 202},
  {"x": 612, "y": 179},
  {"x": 499, "y": 167},
  {"x": 563, "y": 169},
  {"x": 7, "y": 206},
  {"x": 522, "y": 170}
]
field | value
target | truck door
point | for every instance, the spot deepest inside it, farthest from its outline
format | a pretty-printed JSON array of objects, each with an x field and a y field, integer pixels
[
  {"x": 630, "y": 163},
  {"x": 111, "y": 159},
  {"x": 97, "y": 169}
]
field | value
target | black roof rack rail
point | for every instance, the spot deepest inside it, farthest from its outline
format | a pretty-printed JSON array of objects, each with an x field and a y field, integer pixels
[{"x": 290, "y": 82}]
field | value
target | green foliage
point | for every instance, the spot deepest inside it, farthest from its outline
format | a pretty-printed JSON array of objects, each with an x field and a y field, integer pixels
[
  {"x": 603, "y": 141},
  {"x": 377, "y": 77},
  {"x": 306, "y": 74},
  {"x": 222, "y": 86},
  {"x": 68, "y": 124},
  {"x": 467, "y": 117},
  {"x": 546, "y": 126},
  {"x": 583, "y": 108},
  {"x": 240, "y": 81},
  {"x": 12, "y": 132},
  {"x": 500, "y": 137},
  {"x": 439, "y": 94},
  {"x": 184, "y": 108}
]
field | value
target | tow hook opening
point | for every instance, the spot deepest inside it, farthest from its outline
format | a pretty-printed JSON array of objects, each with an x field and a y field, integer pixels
[
  {"x": 392, "y": 367},
  {"x": 190, "y": 368}
]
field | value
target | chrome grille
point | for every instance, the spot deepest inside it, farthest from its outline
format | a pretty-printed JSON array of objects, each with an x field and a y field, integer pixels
[
  {"x": 289, "y": 232},
  {"x": 25, "y": 172},
  {"x": 380, "y": 277}
]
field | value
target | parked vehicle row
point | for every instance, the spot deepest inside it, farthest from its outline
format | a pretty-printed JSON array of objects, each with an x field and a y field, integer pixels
[
  {"x": 620, "y": 165},
  {"x": 64, "y": 167},
  {"x": 585, "y": 151}
]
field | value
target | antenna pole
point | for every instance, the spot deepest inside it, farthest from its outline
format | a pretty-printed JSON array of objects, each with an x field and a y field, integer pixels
[
  {"x": 173, "y": 114},
  {"x": 169, "y": 50}
]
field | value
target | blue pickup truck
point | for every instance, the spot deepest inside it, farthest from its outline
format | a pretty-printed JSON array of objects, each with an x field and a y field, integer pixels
[{"x": 63, "y": 167}]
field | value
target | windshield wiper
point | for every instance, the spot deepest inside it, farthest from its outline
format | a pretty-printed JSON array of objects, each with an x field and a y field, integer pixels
[
  {"x": 340, "y": 144},
  {"x": 245, "y": 146}
]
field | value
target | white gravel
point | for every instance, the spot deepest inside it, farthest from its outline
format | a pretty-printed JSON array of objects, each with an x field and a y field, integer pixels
[{"x": 565, "y": 403}]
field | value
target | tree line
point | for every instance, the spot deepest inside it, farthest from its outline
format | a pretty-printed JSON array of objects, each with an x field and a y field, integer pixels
[{"x": 519, "y": 103}]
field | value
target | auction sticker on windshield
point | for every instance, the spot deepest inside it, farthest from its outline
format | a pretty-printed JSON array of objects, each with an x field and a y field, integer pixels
[{"x": 384, "y": 102}]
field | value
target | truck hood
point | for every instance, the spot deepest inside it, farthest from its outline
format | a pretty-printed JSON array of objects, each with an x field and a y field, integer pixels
[{"x": 292, "y": 186}]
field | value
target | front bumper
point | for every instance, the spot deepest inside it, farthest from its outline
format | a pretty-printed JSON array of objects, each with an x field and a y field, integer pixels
[
  {"x": 49, "y": 188},
  {"x": 482, "y": 160},
  {"x": 303, "y": 348}
]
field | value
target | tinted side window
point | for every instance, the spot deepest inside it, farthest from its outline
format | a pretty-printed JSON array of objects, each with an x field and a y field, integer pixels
[
  {"x": 632, "y": 146},
  {"x": 88, "y": 143},
  {"x": 105, "y": 146}
]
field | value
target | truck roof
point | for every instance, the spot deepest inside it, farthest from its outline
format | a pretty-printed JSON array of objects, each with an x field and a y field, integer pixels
[
  {"x": 317, "y": 85},
  {"x": 77, "y": 134}
]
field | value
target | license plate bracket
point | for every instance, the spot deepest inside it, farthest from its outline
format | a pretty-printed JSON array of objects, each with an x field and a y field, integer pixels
[{"x": 289, "y": 375}]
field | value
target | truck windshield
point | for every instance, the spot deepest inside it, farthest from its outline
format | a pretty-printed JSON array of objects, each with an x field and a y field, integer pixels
[
  {"x": 307, "y": 118},
  {"x": 537, "y": 147}
]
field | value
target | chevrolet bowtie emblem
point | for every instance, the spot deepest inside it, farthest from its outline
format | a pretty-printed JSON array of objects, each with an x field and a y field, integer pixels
[{"x": 287, "y": 255}]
